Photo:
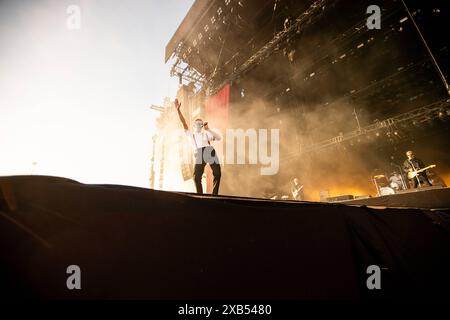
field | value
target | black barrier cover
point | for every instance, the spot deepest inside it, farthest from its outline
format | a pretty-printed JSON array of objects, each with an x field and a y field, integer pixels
[{"x": 133, "y": 243}]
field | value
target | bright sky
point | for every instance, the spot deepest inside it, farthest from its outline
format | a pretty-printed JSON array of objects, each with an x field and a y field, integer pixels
[{"x": 76, "y": 101}]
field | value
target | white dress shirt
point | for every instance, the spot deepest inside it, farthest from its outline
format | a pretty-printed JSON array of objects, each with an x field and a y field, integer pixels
[{"x": 202, "y": 139}]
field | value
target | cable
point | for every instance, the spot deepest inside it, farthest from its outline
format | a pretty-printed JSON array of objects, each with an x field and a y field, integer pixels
[{"x": 441, "y": 75}]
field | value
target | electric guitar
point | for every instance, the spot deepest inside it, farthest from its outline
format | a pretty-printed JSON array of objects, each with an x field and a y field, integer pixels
[{"x": 413, "y": 174}]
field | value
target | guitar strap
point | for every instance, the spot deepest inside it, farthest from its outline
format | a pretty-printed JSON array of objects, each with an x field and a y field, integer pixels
[{"x": 412, "y": 165}]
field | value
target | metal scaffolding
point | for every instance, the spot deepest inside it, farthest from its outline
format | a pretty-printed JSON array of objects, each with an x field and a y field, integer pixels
[
  {"x": 425, "y": 113},
  {"x": 270, "y": 47}
]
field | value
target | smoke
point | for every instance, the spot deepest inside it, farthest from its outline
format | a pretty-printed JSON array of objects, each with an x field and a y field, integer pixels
[{"x": 339, "y": 169}]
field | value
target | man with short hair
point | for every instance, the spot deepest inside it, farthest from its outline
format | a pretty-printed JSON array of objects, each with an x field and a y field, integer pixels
[{"x": 204, "y": 152}]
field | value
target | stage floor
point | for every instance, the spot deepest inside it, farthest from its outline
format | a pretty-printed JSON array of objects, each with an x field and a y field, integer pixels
[{"x": 437, "y": 198}]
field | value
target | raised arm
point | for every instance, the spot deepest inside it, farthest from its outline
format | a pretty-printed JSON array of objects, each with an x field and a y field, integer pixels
[{"x": 180, "y": 115}]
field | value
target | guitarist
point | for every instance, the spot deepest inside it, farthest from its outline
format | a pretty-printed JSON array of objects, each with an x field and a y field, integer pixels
[
  {"x": 412, "y": 164},
  {"x": 297, "y": 190}
]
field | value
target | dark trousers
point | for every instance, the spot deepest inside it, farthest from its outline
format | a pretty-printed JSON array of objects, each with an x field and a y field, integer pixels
[
  {"x": 424, "y": 182},
  {"x": 203, "y": 156}
]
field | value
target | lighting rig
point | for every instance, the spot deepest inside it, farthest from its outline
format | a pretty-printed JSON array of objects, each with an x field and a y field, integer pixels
[{"x": 436, "y": 110}]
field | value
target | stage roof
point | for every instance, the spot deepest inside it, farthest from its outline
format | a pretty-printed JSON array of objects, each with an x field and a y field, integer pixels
[{"x": 190, "y": 21}]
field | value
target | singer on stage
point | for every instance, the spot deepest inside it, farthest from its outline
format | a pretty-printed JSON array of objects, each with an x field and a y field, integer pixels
[{"x": 204, "y": 153}]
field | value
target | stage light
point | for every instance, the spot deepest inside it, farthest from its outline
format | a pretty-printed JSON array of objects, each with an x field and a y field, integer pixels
[
  {"x": 377, "y": 134},
  {"x": 227, "y": 2}
]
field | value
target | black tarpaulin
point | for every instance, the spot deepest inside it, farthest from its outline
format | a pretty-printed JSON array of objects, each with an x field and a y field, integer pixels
[{"x": 138, "y": 243}]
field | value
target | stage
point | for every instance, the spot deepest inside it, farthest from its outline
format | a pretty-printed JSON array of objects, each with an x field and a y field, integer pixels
[
  {"x": 425, "y": 198},
  {"x": 138, "y": 243}
]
